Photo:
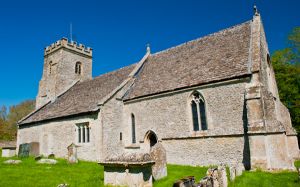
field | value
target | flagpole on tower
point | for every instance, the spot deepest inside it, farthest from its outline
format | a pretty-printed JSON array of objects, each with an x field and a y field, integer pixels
[{"x": 71, "y": 32}]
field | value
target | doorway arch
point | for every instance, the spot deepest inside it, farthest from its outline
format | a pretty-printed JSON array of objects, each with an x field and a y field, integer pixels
[{"x": 150, "y": 138}]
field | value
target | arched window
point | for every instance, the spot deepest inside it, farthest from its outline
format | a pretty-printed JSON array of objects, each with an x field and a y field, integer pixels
[
  {"x": 198, "y": 112},
  {"x": 133, "y": 128},
  {"x": 78, "y": 68}
]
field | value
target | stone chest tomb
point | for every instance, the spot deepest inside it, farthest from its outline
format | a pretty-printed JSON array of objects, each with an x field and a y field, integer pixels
[{"x": 128, "y": 170}]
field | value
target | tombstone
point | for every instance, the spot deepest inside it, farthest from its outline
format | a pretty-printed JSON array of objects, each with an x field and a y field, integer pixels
[
  {"x": 185, "y": 182},
  {"x": 29, "y": 149},
  {"x": 37, "y": 158},
  {"x": 239, "y": 169},
  {"x": 34, "y": 148},
  {"x": 51, "y": 156},
  {"x": 12, "y": 161},
  {"x": 232, "y": 173},
  {"x": 72, "y": 154},
  {"x": 24, "y": 150},
  {"x": 158, "y": 155},
  {"x": 222, "y": 176}
]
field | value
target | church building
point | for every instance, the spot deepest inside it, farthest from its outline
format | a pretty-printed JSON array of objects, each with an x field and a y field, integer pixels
[{"x": 208, "y": 101}]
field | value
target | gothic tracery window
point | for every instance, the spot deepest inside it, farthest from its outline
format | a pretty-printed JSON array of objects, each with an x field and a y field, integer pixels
[
  {"x": 78, "y": 68},
  {"x": 198, "y": 112}
]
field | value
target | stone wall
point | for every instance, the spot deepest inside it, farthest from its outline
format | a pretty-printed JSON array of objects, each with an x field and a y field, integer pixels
[
  {"x": 169, "y": 116},
  {"x": 205, "y": 151},
  {"x": 54, "y": 137},
  {"x": 7, "y": 143}
]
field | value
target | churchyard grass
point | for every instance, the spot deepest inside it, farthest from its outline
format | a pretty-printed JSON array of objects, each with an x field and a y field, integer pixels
[
  {"x": 267, "y": 179},
  {"x": 29, "y": 173},
  {"x": 176, "y": 172}
]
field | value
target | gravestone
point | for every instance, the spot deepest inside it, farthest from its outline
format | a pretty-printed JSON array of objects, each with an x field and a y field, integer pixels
[
  {"x": 215, "y": 177},
  {"x": 222, "y": 176},
  {"x": 12, "y": 162},
  {"x": 24, "y": 150},
  {"x": 29, "y": 149},
  {"x": 232, "y": 173},
  {"x": 34, "y": 148},
  {"x": 72, "y": 154},
  {"x": 158, "y": 155},
  {"x": 51, "y": 156}
]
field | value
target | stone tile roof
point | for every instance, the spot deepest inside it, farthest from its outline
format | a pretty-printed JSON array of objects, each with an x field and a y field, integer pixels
[
  {"x": 219, "y": 56},
  {"x": 82, "y": 97}
]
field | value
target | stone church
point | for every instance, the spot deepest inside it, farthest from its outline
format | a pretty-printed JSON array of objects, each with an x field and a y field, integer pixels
[{"x": 208, "y": 101}]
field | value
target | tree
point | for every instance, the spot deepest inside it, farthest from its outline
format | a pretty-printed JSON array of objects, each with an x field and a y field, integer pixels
[
  {"x": 17, "y": 112},
  {"x": 286, "y": 64},
  {"x": 8, "y": 124},
  {"x": 3, "y": 112}
]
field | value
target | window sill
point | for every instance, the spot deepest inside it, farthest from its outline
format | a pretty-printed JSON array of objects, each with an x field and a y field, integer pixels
[
  {"x": 85, "y": 143},
  {"x": 200, "y": 133},
  {"x": 132, "y": 146}
]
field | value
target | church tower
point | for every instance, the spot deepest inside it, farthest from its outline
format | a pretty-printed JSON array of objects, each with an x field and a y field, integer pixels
[{"x": 65, "y": 63}]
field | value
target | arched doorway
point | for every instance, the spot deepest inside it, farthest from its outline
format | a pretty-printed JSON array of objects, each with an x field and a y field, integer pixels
[{"x": 151, "y": 138}]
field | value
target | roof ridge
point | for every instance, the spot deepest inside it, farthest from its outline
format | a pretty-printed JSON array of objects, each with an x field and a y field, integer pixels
[
  {"x": 202, "y": 38},
  {"x": 106, "y": 73}
]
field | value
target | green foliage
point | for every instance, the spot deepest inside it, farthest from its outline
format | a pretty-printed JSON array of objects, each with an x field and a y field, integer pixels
[
  {"x": 8, "y": 121},
  {"x": 297, "y": 164},
  {"x": 286, "y": 65}
]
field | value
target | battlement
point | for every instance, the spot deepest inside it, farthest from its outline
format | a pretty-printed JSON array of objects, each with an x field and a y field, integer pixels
[{"x": 72, "y": 45}]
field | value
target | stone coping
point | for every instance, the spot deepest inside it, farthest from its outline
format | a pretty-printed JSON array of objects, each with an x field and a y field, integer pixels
[
  {"x": 11, "y": 148},
  {"x": 126, "y": 164}
]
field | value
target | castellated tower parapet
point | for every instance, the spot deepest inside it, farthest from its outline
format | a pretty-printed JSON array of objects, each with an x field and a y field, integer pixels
[
  {"x": 65, "y": 63},
  {"x": 72, "y": 45}
]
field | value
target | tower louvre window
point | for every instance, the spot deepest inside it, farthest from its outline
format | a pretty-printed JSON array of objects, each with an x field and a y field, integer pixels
[
  {"x": 50, "y": 67},
  {"x": 198, "y": 112},
  {"x": 78, "y": 68}
]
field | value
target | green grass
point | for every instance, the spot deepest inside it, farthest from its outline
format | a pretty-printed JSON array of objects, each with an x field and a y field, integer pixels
[
  {"x": 29, "y": 173},
  {"x": 267, "y": 179},
  {"x": 177, "y": 172}
]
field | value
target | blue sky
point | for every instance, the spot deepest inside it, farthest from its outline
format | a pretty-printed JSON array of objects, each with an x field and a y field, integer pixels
[{"x": 118, "y": 31}]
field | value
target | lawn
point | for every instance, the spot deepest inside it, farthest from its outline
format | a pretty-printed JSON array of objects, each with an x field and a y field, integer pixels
[
  {"x": 29, "y": 173},
  {"x": 267, "y": 179}
]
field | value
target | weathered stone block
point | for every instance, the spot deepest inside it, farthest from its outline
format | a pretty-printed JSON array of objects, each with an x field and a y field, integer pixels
[
  {"x": 8, "y": 151},
  {"x": 72, "y": 154},
  {"x": 158, "y": 155}
]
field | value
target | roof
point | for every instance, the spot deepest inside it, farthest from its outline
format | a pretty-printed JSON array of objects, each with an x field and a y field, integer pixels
[
  {"x": 83, "y": 97},
  {"x": 219, "y": 56}
]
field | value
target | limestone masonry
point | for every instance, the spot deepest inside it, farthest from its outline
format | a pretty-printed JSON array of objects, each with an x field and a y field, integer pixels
[{"x": 213, "y": 100}]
